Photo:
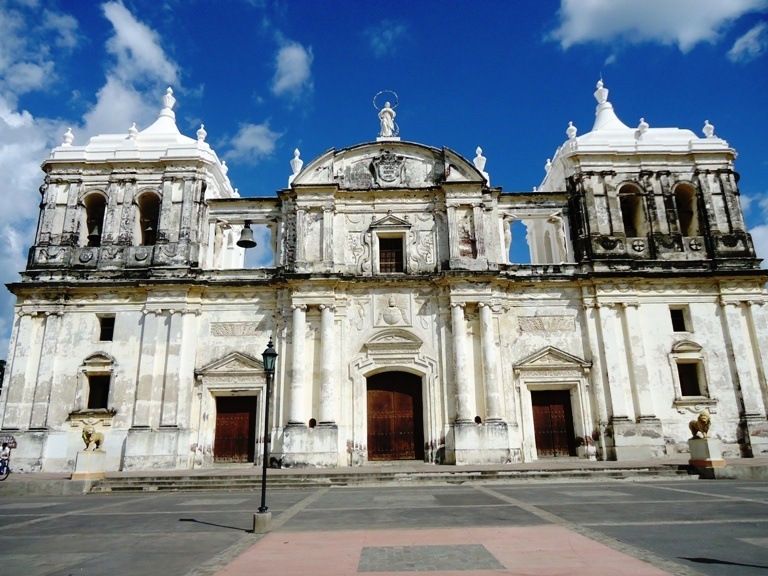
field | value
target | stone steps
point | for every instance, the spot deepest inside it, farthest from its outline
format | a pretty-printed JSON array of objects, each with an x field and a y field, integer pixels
[{"x": 297, "y": 479}]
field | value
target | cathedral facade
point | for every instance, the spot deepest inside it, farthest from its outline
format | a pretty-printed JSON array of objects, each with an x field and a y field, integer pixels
[{"x": 404, "y": 331}]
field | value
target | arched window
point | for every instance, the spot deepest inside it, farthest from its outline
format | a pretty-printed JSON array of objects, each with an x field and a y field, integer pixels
[
  {"x": 687, "y": 210},
  {"x": 95, "y": 205},
  {"x": 149, "y": 215},
  {"x": 632, "y": 212}
]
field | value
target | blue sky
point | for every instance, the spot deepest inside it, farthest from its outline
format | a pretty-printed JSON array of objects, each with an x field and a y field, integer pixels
[{"x": 268, "y": 77}]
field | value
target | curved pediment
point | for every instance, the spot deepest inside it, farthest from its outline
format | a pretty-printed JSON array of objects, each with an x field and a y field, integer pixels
[
  {"x": 378, "y": 165},
  {"x": 395, "y": 340}
]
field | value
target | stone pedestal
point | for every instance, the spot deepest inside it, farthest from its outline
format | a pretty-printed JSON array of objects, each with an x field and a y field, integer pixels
[
  {"x": 310, "y": 447},
  {"x": 90, "y": 465},
  {"x": 481, "y": 443},
  {"x": 262, "y": 522},
  {"x": 706, "y": 453}
]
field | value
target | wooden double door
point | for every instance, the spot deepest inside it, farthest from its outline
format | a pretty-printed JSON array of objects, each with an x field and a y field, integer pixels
[
  {"x": 395, "y": 417},
  {"x": 235, "y": 429},
  {"x": 553, "y": 423}
]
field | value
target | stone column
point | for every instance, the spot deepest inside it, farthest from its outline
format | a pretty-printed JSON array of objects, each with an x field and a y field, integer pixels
[
  {"x": 758, "y": 322},
  {"x": 639, "y": 366},
  {"x": 597, "y": 373},
  {"x": 187, "y": 202},
  {"x": 490, "y": 363},
  {"x": 300, "y": 235},
  {"x": 460, "y": 372},
  {"x": 170, "y": 406},
  {"x": 327, "y": 254},
  {"x": 741, "y": 351},
  {"x": 613, "y": 360},
  {"x": 142, "y": 402},
  {"x": 328, "y": 346},
  {"x": 16, "y": 394},
  {"x": 297, "y": 388},
  {"x": 453, "y": 232},
  {"x": 478, "y": 217},
  {"x": 46, "y": 371}
]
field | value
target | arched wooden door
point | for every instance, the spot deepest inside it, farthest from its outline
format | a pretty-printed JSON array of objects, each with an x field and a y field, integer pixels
[{"x": 395, "y": 418}]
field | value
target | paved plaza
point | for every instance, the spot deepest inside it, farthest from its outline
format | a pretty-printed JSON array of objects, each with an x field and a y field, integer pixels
[{"x": 683, "y": 527}]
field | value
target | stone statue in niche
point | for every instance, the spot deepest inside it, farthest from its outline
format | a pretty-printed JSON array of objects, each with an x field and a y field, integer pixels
[
  {"x": 507, "y": 224},
  {"x": 466, "y": 239},
  {"x": 557, "y": 220},
  {"x": 700, "y": 425}
]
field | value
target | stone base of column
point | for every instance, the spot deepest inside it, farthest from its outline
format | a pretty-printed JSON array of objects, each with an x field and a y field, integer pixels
[
  {"x": 90, "y": 465},
  {"x": 481, "y": 443},
  {"x": 310, "y": 447},
  {"x": 753, "y": 438},
  {"x": 641, "y": 440},
  {"x": 165, "y": 447}
]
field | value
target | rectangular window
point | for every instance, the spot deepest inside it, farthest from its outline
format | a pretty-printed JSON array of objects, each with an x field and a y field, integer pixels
[
  {"x": 390, "y": 255},
  {"x": 688, "y": 372},
  {"x": 98, "y": 391},
  {"x": 679, "y": 320},
  {"x": 106, "y": 328}
]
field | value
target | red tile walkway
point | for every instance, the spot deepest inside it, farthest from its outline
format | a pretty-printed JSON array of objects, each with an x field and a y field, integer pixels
[{"x": 523, "y": 551}]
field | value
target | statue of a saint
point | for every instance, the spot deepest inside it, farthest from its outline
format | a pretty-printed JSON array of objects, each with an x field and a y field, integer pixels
[{"x": 387, "y": 117}]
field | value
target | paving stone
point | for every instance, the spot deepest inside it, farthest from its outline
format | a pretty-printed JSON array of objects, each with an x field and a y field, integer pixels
[{"x": 426, "y": 558}]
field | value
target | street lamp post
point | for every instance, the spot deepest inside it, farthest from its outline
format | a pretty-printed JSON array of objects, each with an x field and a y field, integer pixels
[{"x": 269, "y": 357}]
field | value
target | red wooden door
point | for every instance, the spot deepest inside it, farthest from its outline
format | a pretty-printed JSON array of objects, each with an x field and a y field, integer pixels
[
  {"x": 395, "y": 429},
  {"x": 553, "y": 423},
  {"x": 235, "y": 429}
]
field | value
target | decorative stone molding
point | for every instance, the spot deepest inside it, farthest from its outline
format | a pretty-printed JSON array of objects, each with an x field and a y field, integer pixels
[
  {"x": 546, "y": 323},
  {"x": 235, "y": 329}
]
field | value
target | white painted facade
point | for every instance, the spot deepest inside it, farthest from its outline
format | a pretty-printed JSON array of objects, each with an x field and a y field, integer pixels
[{"x": 641, "y": 264}]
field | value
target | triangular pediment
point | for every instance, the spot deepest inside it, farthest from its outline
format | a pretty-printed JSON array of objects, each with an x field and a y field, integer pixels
[
  {"x": 551, "y": 357},
  {"x": 390, "y": 221},
  {"x": 233, "y": 363}
]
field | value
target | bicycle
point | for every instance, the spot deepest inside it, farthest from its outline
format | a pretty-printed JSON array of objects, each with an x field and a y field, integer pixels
[{"x": 5, "y": 469}]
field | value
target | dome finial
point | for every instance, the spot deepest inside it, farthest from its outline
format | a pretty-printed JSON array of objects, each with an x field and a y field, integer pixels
[
  {"x": 296, "y": 165},
  {"x": 201, "y": 133},
  {"x": 132, "y": 132},
  {"x": 68, "y": 138},
  {"x": 601, "y": 94},
  {"x": 571, "y": 131},
  {"x": 168, "y": 103}
]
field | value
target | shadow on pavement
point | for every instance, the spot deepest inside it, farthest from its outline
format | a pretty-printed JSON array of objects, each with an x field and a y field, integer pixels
[
  {"x": 716, "y": 561},
  {"x": 213, "y": 524}
]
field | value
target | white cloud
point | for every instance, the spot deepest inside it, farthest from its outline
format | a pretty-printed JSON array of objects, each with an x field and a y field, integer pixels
[
  {"x": 384, "y": 37},
  {"x": 684, "y": 23},
  {"x": 759, "y": 233},
  {"x": 751, "y": 45},
  {"x": 118, "y": 105},
  {"x": 293, "y": 74},
  {"x": 137, "y": 48},
  {"x": 253, "y": 141}
]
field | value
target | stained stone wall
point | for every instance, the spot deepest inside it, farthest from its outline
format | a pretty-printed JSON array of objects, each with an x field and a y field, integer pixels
[{"x": 589, "y": 316}]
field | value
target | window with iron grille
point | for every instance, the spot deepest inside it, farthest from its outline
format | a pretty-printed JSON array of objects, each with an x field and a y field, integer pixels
[{"x": 390, "y": 255}]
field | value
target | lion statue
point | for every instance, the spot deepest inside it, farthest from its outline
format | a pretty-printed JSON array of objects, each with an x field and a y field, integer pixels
[
  {"x": 92, "y": 438},
  {"x": 701, "y": 424}
]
